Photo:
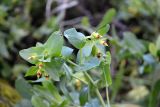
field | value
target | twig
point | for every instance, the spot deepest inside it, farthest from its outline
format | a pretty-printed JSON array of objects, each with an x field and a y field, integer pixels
[
  {"x": 120, "y": 25},
  {"x": 64, "y": 6},
  {"x": 72, "y": 21},
  {"x": 48, "y": 8}
]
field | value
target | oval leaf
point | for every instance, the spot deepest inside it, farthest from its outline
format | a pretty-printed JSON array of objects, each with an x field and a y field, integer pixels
[
  {"x": 54, "y": 44},
  {"x": 75, "y": 38}
]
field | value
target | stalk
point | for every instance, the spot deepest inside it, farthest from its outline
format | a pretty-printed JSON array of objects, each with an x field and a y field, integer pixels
[
  {"x": 96, "y": 89},
  {"x": 92, "y": 82},
  {"x": 107, "y": 95}
]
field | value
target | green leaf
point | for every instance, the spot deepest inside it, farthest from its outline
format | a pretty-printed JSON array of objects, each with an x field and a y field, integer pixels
[
  {"x": 75, "y": 97},
  {"x": 153, "y": 49},
  {"x": 45, "y": 94},
  {"x": 63, "y": 88},
  {"x": 32, "y": 54},
  {"x": 131, "y": 43},
  {"x": 149, "y": 59},
  {"x": 90, "y": 63},
  {"x": 107, "y": 18},
  {"x": 39, "y": 102},
  {"x": 39, "y": 44},
  {"x": 3, "y": 48},
  {"x": 81, "y": 76},
  {"x": 50, "y": 94},
  {"x": 126, "y": 105},
  {"x": 38, "y": 80},
  {"x": 106, "y": 69},
  {"x": 84, "y": 94},
  {"x": 53, "y": 90},
  {"x": 7, "y": 70},
  {"x": 93, "y": 103},
  {"x": 108, "y": 58},
  {"x": 77, "y": 39},
  {"x": 85, "y": 22},
  {"x": 32, "y": 71},
  {"x": 87, "y": 49},
  {"x": 54, "y": 44},
  {"x": 104, "y": 30},
  {"x": 94, "y": 50},
  {"x": 118, "y": 79},
  {"x": 158, "y": 43},
  {"x": 45, "y": 59},
  {"x": 24, "y": 103},
  {"x": 67, "y": 70},
  {"x": 107, "y": 74},
  {"x": 154, "y": 94},
  {"x": 66, "y": 51},
  {"x": 53, "y": 68},
  {"x": 23, "y": 88},
  {"x": 100, "y": 48},
  {"x": 64, "y": 103}
]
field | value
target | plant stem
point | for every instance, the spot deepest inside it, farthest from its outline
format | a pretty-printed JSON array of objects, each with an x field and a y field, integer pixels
[
  {"x": 100, "y": 97},
  {"x": 91, "y": 80},
  {"x": 80, "y": 56},
  {"x": 79, "y": 79},
  {"x": 96, "y": 89},
  {"x": 71, "y": 62},
  {"x": 107, "y": 95}
]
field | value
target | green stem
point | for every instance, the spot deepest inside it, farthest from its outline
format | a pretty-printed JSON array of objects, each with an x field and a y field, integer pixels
[
  {"x": 79, "y": 79},
  {"x": 107, "y": 95},
  {"x": 96, "y": 89},
  {"x": 80, "y": 56},
  {"x": 71, "y": 62},
  {"x": 100, "y": 97},
  {"x": 91, "y": 80}
]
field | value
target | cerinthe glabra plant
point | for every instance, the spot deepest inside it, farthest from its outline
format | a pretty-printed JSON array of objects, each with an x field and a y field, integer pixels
[{"x": 55, "y": 66}]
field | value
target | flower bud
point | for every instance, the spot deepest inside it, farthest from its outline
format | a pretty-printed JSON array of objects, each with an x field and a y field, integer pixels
[
  {"x": 96, "y": 35},
  {"x": 40, "y": 65},
  {"x": 99, "y": 55},
  {"x": 103, "y": 43},
  {"x": 46, "y": 76},
  {"x": 78, "y": 84},
  {"x": 39, "y": 74}
]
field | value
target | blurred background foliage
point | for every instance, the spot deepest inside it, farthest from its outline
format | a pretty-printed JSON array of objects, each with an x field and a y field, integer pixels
[{"x": 134, "y": 40}]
